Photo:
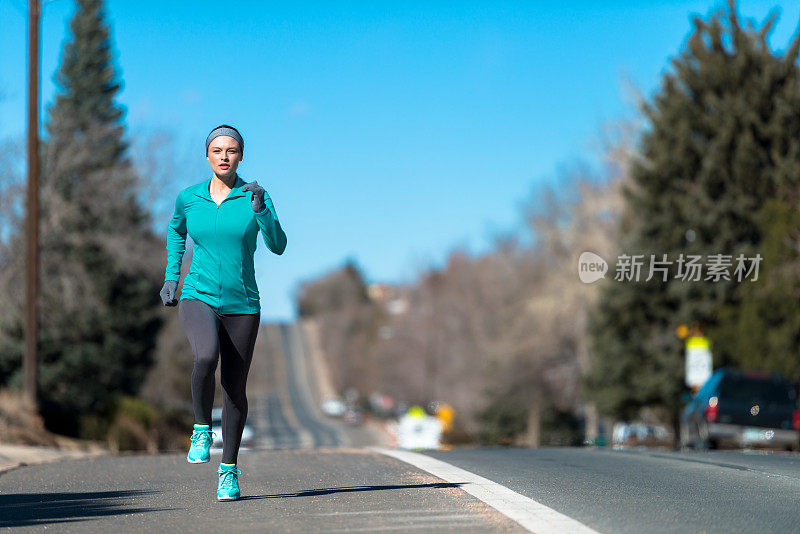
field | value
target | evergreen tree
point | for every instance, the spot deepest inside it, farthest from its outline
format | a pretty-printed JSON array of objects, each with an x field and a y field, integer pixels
[
  {"x": 721, "y": 152},
  {"x": 101, "y": 265},
  {"x": 762, "y": 329}
]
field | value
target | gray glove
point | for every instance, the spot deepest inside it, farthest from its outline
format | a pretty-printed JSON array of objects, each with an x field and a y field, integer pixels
[
  {"x": 168, "y": 293},
  {"x": 258, "y": 196}
]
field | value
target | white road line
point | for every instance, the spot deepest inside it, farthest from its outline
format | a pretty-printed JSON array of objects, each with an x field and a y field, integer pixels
[
  {"x": 532, "y": 515},
  {"x": 425, "y": 518},
  {"x": 377, "y": 528},
  {"x": 384, "y": 512}
]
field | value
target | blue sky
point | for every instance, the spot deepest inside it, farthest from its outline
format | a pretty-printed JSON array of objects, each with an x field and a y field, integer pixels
[{"x": 389, "y": 133}]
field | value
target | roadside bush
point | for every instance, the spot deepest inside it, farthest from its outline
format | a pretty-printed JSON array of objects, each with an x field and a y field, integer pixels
[
  {"x": 132, "y": 428},
  {"x": 458, "y": 435},
  {"x": 561, "y": 429},
  {"x": 501, "y": 422}
]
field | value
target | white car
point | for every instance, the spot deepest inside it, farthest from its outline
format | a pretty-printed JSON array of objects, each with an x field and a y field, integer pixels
[{"x": 333, "y": 407}]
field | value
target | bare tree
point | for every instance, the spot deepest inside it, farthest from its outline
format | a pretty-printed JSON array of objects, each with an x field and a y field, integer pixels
[{"x": 512, "y": 320}]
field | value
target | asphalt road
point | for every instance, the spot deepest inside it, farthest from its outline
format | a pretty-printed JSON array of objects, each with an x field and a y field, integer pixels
[
  {"x": 323, "y": 434},
  {"x": 307, "y": 473},
  {"x": 650, "y": 491},
  {"x": 307, "y": 490},
  {"x": 284, "y": 412},
  {"x": 354, "y": 490}
]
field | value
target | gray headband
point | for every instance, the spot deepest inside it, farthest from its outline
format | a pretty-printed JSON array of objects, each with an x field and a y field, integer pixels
[{"x": 223, "y": 130}]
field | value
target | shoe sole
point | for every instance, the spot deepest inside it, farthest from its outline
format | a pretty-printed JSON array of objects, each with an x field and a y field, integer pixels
[
  {"x": 226, "y": 498},
  {"x": 198, "y": 461}
]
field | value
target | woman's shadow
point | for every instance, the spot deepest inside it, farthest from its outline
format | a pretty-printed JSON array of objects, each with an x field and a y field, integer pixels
[
  {"x": 345, "y": 489},
  {"x": 28, "y": 509}
]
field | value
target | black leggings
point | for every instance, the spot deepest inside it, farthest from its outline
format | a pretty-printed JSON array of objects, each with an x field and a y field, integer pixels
[{"x": 229, "y": 338}]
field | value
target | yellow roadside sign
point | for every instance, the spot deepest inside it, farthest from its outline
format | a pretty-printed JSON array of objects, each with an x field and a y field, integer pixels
[
  {"x": 446, "y": 413},
  {"x": 698, "y": 361},
  {"x": 697, "y": 342}
]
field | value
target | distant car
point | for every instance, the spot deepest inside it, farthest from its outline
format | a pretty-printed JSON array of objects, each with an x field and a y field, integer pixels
[
  {"x": 353, "y": 417},
  {"x": 641, "y": 435},
  {"x": 744, "y": 409},
  {"x": 333, "y": 407},
  {"x": 216, "y": 428}
]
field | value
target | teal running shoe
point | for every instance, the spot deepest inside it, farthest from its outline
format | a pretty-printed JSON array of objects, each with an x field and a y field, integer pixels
[
  {"x": 228, "y": 488},
  {"x": 199, "y": 452}
]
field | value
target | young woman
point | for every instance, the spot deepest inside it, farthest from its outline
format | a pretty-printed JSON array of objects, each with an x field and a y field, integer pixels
[{"x": 219, "y": 305}]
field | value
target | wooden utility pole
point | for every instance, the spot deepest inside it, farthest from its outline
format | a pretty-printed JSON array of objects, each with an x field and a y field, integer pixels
[{"x": 32, "y": 230}]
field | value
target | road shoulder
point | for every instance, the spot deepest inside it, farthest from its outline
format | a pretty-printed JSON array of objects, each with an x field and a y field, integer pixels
[
  {"x": 309, "y": 490},
  {"x": 13, "y": 456}
]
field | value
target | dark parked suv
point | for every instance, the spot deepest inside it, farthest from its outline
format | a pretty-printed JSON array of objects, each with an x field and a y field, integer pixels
[{"x": 745, "y": 409}]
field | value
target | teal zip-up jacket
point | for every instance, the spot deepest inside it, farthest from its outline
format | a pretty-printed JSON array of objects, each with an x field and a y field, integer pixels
[{"x": 222, "y": 273}]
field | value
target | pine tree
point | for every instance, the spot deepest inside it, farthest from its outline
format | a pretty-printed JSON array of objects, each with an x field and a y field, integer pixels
[
  {"x": 723, "y": 145},
  {"x": 762, "y": 329},
  {"x": 101, "y": 264}
]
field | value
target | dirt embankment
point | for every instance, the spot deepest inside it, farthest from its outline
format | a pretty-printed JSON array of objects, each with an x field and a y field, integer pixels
[{"x": 24, "y": 439}]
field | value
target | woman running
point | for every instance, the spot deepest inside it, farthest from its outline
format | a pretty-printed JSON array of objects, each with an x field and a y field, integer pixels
[{"x": 219, "y": 305}]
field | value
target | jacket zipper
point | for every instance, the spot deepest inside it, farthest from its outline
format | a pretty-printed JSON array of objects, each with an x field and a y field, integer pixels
[{"x": 219, "y": 258}]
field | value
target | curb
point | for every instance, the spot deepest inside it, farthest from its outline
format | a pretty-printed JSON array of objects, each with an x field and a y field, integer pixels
[{"x": 15, "y": 456}]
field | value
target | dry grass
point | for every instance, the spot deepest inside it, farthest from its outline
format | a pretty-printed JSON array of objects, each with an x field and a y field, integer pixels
[{"x": 19, "y": 424}]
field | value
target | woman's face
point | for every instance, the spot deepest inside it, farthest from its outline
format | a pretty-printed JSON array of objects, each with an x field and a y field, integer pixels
[{"x": 224, "y": 156}]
